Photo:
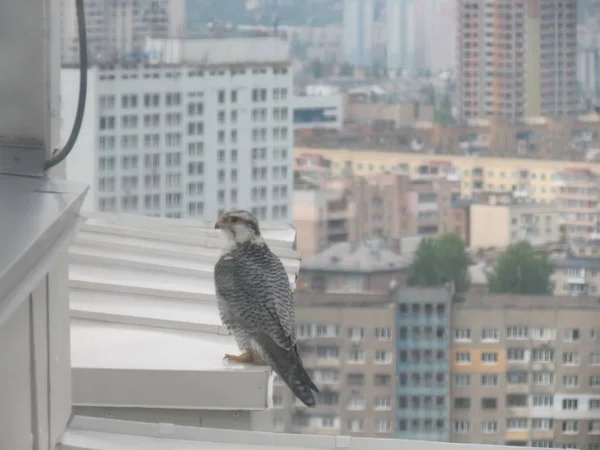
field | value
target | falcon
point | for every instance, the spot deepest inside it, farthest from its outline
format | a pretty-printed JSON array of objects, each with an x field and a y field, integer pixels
[{"x": 256, "y": 305}]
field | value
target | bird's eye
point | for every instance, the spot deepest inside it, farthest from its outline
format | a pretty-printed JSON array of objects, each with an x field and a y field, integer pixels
[{"x": 234, "y": 219}]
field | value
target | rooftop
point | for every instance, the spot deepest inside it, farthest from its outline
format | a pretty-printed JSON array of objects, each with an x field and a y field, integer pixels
[
  {"x": 336, "y": 300},
  {"x": 526, "y": 302},
  {"x": 219, "y": 51},
  {"x": 367, "y": 256}
]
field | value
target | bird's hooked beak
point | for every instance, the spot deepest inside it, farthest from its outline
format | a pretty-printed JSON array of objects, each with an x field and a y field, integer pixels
[{"x": 219, "y": 224}]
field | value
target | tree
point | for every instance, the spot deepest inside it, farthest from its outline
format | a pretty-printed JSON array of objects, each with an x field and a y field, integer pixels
[
  {"x": 443, "y": 114},
  {"x": 424, "y": 271},
  {"x": 440, "y": 260},
  {"x": 520, "y": 270}
]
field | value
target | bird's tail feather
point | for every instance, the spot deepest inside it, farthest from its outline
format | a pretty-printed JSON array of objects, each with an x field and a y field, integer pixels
[{"x": 287, "y": 364}]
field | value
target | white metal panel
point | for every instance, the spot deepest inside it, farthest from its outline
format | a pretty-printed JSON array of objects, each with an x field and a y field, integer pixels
[
  {"x": 87, "y": 433},
  {"x": 144, "y": 314},
  {"x": 40, "y": 220}
]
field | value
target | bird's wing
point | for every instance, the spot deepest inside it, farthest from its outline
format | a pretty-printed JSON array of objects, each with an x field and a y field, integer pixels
[{"x": 264, "y": 281}]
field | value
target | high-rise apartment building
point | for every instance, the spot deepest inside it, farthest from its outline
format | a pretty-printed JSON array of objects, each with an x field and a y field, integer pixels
[
  {"x": 347, "y": 345},
  {"x": 517, "y": 58},
  {"x": 420, "y": 35},
  {"x": 400, "y": 29},
  {"x": 358, "y": 34},
  {"x": 526, "y": 371},
  {"x": 206, "y": 128},
  {"x": 118, "y": 29},
  {"x": 423, "y": 347}
]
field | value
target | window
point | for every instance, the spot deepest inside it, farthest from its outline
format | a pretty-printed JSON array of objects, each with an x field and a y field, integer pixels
[
  {"x": 543, "y": 334},
  {"x": 490, "y": 335},
  {"x": 462, "y": 426},
  {"x": 462, "y": 403},
  {"x": 356, "y": 403},
  {"x": 463, "y": 358},
  {"x": 327, "y": 331},
  {"x": 594, "y": 427},
  {"x": 383, "y": 403},
  {"x": 489, "y": 427},
  {"x": 570, "y": 404},
  {"x": 462, "y": 380},
  {"x": 489, "y": 358},
  {"x": 516, "y": 377},
  {"x": 543, "y": 378},
  {"x": 516, "y": 332},
  {"x": 356, "y": 379},
  {"x": 595, "y": 381},
  {"x": 595, "y": 358},
  {"x": 355, "y": 426},
  {"x": 570, "y": 381},
  {"x": 328, "y": 422},
  {"x": 516, "y": 400},
  {"x": 356, "y": 356},
  {"x": 542, "y": 355},
  {"x": 571, "y": 335},
  {"x": 489, "y": 403},
  {"x": 516, "y": 424},
  {"x": 594, "y": 403},
  {"x": 356, "y": 333},
  {"x": 382, "y": 426},
  {"x": 383, "y": 334},
  {"x": 328, "y": 352},
  {"x": 542, "y": 424},
  {"x": 383, "y": 357},
  {"x": 382, "y": 380},
  {"x": 462, "y": 334},
  {"x": 328, "y": 398},
  {"x": 571, "y": 358},
  {"x": 489, "y": 380},
  {"x": 543, "y": 401},
  {"x": 516, "y": 354},
  {"x": 570, "y": 427}
]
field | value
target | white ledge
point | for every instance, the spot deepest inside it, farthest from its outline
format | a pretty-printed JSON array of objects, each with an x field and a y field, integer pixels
[
  {"x": 37, "y": 212},
  {"x": 86, "y": 433},
  {"x": 145, "y": 329},
  {"x": 134, "y": 366}
]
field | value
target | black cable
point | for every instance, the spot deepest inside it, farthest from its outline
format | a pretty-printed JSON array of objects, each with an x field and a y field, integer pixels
[{"x": 58, "y": 156}]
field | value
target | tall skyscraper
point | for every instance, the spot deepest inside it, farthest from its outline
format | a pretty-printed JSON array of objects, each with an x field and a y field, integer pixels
[
  {"x": 420, "y": 35},
  {"x": 358, "y": 32},
  {"x": 517, "y": 58},
  {"x": 400, "y": 35},
  {"x": 206, "y": 128}
]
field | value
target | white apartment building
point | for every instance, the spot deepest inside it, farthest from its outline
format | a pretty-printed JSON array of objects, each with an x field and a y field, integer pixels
[
  {"x": 118, "y": 28},
  {"x": 180, "y": 138}
]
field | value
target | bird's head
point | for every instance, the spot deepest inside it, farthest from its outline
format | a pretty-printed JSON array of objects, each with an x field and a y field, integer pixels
[{"x": 239, "y": 226}]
